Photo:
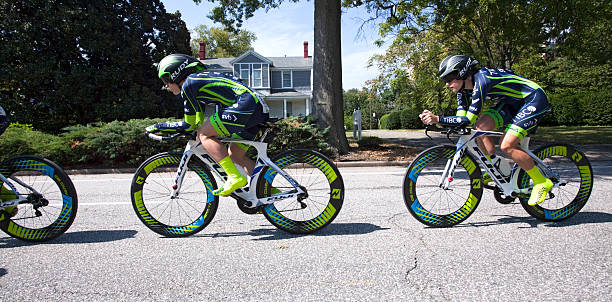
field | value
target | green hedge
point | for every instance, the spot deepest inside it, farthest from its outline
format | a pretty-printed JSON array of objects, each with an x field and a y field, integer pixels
[
  {"x": 593, "y": 108},
  {"x": 401, "y": 119},
  {"x": 124, "y": 144}
]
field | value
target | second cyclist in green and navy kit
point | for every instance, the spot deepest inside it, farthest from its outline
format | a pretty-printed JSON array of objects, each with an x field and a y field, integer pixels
[
  {"x": 520, "y": 106},
  {"x": 242, "y": 111}
]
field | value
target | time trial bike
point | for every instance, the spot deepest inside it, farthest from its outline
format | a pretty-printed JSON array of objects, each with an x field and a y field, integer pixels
[
  {"x": 443, "y": 184},
  {"x": 39, "y": 201},
  {"x": 298, "y": 191}
]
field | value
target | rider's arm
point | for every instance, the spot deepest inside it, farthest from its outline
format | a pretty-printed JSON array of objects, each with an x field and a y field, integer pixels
[
  {"x": 462, "y": 110},
  {"x": 193, "y": 117}
]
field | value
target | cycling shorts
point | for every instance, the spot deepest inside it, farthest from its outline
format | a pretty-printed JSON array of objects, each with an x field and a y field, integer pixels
[
  {"x": 520, "y": 119},
  {"x": 240, "y": 120}
]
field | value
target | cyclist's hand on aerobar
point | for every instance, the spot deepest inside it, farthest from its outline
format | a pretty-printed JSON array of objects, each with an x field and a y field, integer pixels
[{"x": 428, "y": 118}]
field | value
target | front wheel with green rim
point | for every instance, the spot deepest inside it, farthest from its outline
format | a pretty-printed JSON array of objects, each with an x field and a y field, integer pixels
[
  {"x": 184, "y": 215},
  {"x": 572, "y": 188},
  {"x": 428, "y": 202},
  {"x": 315, "y": 174},
  {"x": 49, "y": 210}
]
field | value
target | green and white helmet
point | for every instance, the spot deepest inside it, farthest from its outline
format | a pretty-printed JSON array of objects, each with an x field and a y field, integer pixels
[
  {"x": 176, "y": 67},
  {"x": 461, "y": 65}
]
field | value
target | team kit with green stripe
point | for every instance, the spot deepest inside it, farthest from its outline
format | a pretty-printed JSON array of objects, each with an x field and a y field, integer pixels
[
  {"x": 521, "y": 102},
  {"x": 241, "y": 113}
]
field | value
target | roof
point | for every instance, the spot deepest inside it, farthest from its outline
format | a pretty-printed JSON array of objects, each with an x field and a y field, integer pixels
[
  {"x": 284, "y": 94},
  {"x": 275, "y": 62}
]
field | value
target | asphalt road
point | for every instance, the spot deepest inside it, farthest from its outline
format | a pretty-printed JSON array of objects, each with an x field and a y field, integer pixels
[{"x": 374, "y": 251}]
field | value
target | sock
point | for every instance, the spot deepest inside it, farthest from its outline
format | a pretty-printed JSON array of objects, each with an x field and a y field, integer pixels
[
  {"x": 234, "y": 181},
  {"x": 536, "y": 175}
]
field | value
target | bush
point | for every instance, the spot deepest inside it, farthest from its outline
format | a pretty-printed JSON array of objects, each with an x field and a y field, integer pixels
[
  {"x": 391, "y": 120},
  {"x": 383, "y": 123},
  {"x": 22, "y": 141},
  {"x": 598, "y": 105},
  {"x": 117, "y": 143},
  {"x": 410, "y": 119},
  {"x": 298, "y": 132},
  {"x": 566, "y": 109}
]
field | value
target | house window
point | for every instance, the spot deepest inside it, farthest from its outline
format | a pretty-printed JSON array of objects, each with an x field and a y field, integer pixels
[
  {"x": 289, "y": 108},
  {"x": 265, "y": 75},
  {"x": 287, "y": 81},
  {"x": 245, "y": 73},
  {"x": 257, "y": 75}
]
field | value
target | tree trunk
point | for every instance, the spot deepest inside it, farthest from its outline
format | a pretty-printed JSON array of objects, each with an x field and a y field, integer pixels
[{"x": 328, "y": 107}]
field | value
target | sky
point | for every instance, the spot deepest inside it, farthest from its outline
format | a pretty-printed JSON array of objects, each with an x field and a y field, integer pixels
[{"x": 282, "y": 31}]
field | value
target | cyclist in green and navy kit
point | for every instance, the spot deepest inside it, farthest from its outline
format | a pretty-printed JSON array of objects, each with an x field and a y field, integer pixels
[
  {"x": 242, "y": 111},
  {"x": 520, "y": 106}
]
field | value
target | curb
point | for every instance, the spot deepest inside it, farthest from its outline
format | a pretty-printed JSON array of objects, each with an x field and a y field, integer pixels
[{"x": 340, "y": 164}]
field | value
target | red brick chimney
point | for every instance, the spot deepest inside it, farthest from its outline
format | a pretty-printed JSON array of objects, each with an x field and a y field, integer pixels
[
  {"x": 202, "y": 50},
  {"x": 305, "y": 49}
]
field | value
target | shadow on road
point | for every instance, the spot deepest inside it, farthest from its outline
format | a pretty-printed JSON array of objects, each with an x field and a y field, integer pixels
[
  {"x": 74, "y": 237},
  {"x": 578, "y": 219},
  {"x": 333, "y": 229}
]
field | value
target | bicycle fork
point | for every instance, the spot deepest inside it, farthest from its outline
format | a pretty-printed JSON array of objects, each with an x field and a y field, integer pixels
[{"x": 449, "y": 169}]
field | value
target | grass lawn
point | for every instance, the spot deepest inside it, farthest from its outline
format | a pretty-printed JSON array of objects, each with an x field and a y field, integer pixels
[{"x": 579, "y": 135}]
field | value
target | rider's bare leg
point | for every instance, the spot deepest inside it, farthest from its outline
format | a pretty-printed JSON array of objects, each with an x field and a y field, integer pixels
[
  {"x": 238, "y": 155},
  {"x": 485, "y": 123}
]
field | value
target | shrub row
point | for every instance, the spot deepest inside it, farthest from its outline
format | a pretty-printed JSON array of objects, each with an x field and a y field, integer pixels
[
  {"x": 401, "y": 119},
  {"x": 592, "y": 108},
  {"x": 123, "y": 144}
]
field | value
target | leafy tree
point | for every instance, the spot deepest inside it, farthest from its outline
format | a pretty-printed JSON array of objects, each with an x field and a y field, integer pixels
[
  {"x": 556, "y": 43},
  {"x": 221, "y": 43},
  {"x": 73, "y": 62},
  {"x": 327, "y": 65}
]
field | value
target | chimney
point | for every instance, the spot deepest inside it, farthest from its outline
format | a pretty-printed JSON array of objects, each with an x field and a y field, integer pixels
[
  {"x": 202, "y": 50},
  {"x": 305, "y": 49}
]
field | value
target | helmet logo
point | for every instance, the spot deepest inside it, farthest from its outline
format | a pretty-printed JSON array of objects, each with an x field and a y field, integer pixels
[{"x": 177, "y": 72}]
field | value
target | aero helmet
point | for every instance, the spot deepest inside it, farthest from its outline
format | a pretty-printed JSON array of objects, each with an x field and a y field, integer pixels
[
  {"x": 176, "y": 67},
  {"x": 462, "y": 65}
]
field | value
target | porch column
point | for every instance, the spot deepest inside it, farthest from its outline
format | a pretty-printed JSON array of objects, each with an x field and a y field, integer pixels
[
  {"x": 307, "y": 106},
  {"x": 284, "y": 108}
]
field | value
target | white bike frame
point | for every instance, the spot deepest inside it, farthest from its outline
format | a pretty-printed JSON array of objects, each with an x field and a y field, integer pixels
[
  {"x": 248, "y": 193},
  {"x": 508, "y": 185}
]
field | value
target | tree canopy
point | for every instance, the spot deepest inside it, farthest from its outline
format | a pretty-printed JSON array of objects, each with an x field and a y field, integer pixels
[
  {"x": 559, "y": 44},
  {"x": 72, "y": 62},
  {"x": 221, "y": 43}
]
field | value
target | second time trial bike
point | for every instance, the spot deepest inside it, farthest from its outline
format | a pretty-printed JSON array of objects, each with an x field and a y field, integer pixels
[{"x": 443, "y": 185}]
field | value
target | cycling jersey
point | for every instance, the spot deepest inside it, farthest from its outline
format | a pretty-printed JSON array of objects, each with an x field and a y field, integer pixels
[
  {"x": 241, "y": 111},
  {"x": 521, "y": 102}
]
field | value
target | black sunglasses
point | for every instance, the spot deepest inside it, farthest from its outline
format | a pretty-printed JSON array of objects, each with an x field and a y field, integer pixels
[
  {"x": 166, "y": 79},
  {"x": 450, "y": 77}
]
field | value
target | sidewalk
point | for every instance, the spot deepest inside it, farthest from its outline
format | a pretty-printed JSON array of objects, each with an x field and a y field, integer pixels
[{"x": 417, "y": 138}]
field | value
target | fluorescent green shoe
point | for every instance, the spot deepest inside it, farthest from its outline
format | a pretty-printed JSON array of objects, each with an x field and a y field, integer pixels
[
  {"x": 539, "y": 192},
  {"x": 486, "y": 178},
  {"x": 8, "y": 212},
  {"x": 230, "y": 185},
  {"x": 275, "y": 191},
  {"x": 7, "y": 194}
]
